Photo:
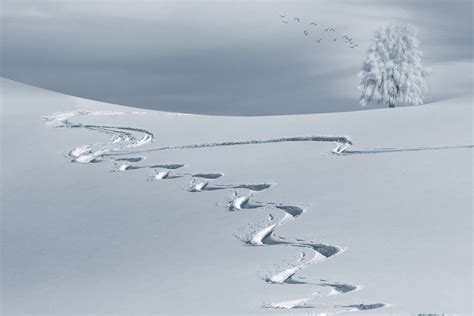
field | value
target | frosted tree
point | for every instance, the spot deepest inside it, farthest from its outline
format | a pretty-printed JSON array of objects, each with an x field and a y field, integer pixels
[{"x": 392, "y": 72}]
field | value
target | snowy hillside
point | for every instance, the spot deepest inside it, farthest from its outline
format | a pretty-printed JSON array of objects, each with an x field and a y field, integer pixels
[{"x": 109, "y": 209}]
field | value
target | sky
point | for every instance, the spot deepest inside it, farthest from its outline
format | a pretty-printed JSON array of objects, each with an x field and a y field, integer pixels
[{"x": 223, "y": 57}]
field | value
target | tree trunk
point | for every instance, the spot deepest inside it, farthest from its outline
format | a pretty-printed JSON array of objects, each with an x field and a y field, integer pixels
[{"x": 391, "y": 105}]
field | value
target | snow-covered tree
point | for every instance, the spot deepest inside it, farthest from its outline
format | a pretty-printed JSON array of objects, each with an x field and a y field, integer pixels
[{"x": 392, "y": 72}]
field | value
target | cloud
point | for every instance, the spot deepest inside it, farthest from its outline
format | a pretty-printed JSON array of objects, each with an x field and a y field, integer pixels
[{"x": 226, "y": 57}]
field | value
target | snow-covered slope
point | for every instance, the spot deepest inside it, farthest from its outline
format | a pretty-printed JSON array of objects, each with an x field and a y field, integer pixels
[{"x": 108, "y": 209}]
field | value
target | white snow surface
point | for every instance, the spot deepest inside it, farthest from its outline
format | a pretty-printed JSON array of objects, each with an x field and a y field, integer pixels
[{"x": 393, "y": 201}]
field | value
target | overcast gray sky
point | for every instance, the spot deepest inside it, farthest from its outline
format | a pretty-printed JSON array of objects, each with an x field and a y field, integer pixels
[{"x": 222, "y": 57}]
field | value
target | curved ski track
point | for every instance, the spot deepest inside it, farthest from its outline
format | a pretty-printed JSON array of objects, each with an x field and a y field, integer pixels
[{"x": 124, "y": 142}]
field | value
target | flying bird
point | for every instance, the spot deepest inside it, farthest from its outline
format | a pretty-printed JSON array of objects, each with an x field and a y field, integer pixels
[
  {"x": 282, "y": 15},
  {"x": 297, "y": 20},
  {"x": 312, "y": 23},
  {"x": 332, "y": 30},
  {"x": 319, "y": 40},
  {"x": 334, "y": 39},
  {"x": 306, "y": 32},
  {"x": 286, "y": 22}
]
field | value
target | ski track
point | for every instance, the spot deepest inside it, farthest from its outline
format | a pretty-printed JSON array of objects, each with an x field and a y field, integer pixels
[
  {"x": 122, "y": 151},
  {"x": 122, "y": 138}
]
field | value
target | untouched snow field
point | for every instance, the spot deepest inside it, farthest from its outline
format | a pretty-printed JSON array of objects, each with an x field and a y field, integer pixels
[{"x": 109, "y": 209}]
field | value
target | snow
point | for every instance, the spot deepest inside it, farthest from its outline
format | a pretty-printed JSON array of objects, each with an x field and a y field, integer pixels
[
  {"x": 297, "y": 303},
  {"x": 261, "y": 234},
  {"x": 393, "y": 202},
  {"x": 162, "y": 175}
]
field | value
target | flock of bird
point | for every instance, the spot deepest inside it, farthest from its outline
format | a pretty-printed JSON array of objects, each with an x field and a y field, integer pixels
[{"x": 331, "y": 32}]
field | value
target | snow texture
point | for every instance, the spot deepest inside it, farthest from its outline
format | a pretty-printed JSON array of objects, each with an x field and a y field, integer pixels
[
  {"x": 392, "y": 72},
  {"x": 365, "y": 221}
]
